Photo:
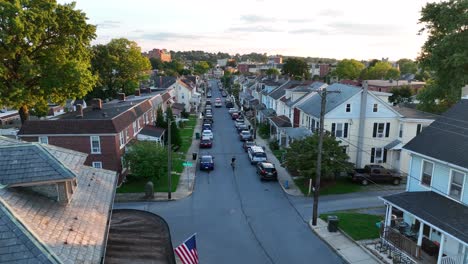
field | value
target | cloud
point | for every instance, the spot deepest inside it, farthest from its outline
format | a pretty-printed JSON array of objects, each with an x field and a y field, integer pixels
[
  {"x": 109, "y": 24},
  {"x": 256, "y": 19},
  {"x": 162, "y": 36},
  {"x": 299, "y": 20},
  {"x": 330, "y": 13},
  {"x": 363, "y": 29},
  {"x": 253, "y": 29},
  {"x": 309, "y": 31}
]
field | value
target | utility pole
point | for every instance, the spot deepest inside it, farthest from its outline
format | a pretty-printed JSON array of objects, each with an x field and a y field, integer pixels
[
  {"x": 318, "y": 170},
  {"x": 169, "y": 158}
]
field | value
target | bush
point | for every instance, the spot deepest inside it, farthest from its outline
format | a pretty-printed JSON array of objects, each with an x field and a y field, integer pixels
[
  {"x": 264, "y": 130},
  {"x": 185, "y": 114},
  {"x": 274, "y": 145}
]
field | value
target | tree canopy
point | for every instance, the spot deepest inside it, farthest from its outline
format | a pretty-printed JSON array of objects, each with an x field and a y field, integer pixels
[
  {"x": 302, "y": 156},
  {"x": 349, "y": 69},
  {"x": 445, "y": 53},
  {"x": 297, "y": 68},
  {"x": 382, "y": 70},
  {"x": 44, "y": 48},
  {"x": 120, "y": 66},
  {"x": 273, "y": 71},
  {"x": 407, "y": 66},
  {"x": 201, "y": 67},
  {"x": 401, "y": 95},
  {"x": 146, "y": 159}
]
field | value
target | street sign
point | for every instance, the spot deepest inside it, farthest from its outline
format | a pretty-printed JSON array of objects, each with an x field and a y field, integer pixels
[{"x": 187, "y": 164}]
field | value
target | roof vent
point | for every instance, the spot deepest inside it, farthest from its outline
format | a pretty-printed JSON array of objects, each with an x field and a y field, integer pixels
[{"x": 79, "y": 110}]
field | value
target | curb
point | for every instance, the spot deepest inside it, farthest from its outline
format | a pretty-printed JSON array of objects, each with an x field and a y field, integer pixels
[
  {"x": 362, "y": 247},
  {"x": 326, "y": 243}
]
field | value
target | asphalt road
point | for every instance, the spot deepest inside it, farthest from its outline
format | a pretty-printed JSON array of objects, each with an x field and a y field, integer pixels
[{"x": 238, "y": 218}]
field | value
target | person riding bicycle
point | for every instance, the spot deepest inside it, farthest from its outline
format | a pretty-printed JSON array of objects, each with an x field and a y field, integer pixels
[{"x": 233, "y": 161}]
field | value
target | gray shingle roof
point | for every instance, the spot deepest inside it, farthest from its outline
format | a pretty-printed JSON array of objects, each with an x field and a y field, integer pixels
[
  {"x": 17, "y": 245},
  {"x": 312, "y": 105},
  {"x": 447, "y": 136},
  {"x": 30, "y": 163},
  {"x": 297, "y": 132},
  {"x": 413, "y": 113},
  {"x": 438, "y": 210},
  {"x": 280, "y": 91}
]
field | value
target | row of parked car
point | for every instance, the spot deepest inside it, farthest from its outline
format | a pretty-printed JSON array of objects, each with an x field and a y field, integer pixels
[{"x": 206, "y": 137}]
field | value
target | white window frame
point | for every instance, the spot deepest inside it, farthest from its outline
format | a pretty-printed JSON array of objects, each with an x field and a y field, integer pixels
[
  {"x": 383, "y": 131},
  {"x": 42, "y": 141},
  {"x": 451, "y": 182},
  {"x": 348, "y": 107},
  {"x": 93, "y": 151},
  {"x": 376, "y": 158},
  {"x": 135, "y": 128},
  {"x": 122, "y": 139},
  {"x": 97, "y": 164},
  {"x": 335, "y": 134},
  {"x": 375, "y": 108},
  {"x": 421, "y": 174}
]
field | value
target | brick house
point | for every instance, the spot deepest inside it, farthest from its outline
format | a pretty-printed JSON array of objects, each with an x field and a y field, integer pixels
[{"x": 103, "y": 130}]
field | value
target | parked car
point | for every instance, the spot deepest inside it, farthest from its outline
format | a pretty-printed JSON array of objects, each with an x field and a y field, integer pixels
[
  {"x": 209, "y": 115},
  {"x": 375, "y": 173},
  {"x": 242, "y": 127},
  {"x": 223, "y": 94},
  {"x": 238, "y": 123},
  {"x": 229, "y": 104},
  {"x": 232, "y": 110},
  {"x": 240, "y": 118},
  {"x": 247, "y": 144},
  {"x": 267, "y": 171},
  {"x": 206, "y": 126},
  {"x": 207, "y": 134},
  {"x": 208, "y": 120},
  {"x": 256, "y": 154},
  {"x": 208, "y": 102},
  {"x": 234, "y": 115},
  {"x": 205, "y": 142},
  {"x": 207, "y": 162},
  {"x": 245, "y": 135},
  {"x": 208, "y": 107},
  {"x": 208, "y": 95},
  {"x": 218, "y": 104}
]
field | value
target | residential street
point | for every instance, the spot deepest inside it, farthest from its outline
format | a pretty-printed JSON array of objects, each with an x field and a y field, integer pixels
[{"x": 239, "y": 219}]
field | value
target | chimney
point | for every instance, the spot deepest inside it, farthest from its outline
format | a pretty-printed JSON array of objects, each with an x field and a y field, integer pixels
[
  {"x": 96, "y": 104},
  {"x": 137, "y": 92},
  {"x": 79, "y": 110},
  {"x": 121, "y": 96}
]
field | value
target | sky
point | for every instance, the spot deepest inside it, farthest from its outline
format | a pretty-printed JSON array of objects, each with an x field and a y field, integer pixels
[{"x": 359, "y": 29}]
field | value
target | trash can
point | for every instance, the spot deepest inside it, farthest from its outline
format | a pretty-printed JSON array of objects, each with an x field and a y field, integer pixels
[
  {"x": 332, "y": 223},
  {"x": 197, "y": 135},
  {"x": 194, "y": 156}
]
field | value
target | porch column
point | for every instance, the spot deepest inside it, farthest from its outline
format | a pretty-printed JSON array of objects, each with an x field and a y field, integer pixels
[
  {"x": 441, "y": 249},
  {"x": 420, "y": 237},
  {"x": 388, "y": 215}
]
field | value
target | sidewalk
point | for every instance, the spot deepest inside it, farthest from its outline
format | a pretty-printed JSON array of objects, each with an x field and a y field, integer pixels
[
  {"x": 283, "y": 174},
  {"x": 348, "y": 249},
  {"x": 186, "y": 180}
]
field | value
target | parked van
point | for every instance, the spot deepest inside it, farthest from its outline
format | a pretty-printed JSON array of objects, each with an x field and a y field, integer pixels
[{"x": 256, "y": 154}]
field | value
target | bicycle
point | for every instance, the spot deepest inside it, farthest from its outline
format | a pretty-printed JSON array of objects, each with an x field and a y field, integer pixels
[{"x": 233, "y": 163}]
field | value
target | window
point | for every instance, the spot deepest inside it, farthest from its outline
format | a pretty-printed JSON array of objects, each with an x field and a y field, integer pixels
[
  {"x": 127, "y": 133},
  {"x": 182, "y": 95},
  {"x": 378, "y": 155},
  {"x": 135, "y": 129},
  {"x": 340, "y": 130},
  {"x": 97, "y": 164},
  {"x": 418, "y": 129},
  {"x": 381, "y": 130},
  {"x": 427, "y": 170},
  {"x": 456, "y": 184},
  {"x": 400, "y": 132},
  {"x": 345, "y": 149},
  {"x": 95, "y": 144},
  {"x": 44, "y": 140},
  {"x": 146, "y": 118},
  {"x": 375, "y": 108},
  {"x": 348, "y": 108},
  {"x": 122, "y": 138}
]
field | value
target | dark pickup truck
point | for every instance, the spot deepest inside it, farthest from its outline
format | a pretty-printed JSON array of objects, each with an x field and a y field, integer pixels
[{"x": 375, "y": 173}]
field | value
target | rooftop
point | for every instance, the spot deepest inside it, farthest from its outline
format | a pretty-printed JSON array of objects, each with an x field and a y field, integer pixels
[
  {"x": 413, "y": 113},
  {"x": 394, "y": 83}
]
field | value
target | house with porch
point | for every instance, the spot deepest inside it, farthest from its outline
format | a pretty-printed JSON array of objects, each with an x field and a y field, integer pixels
[{"x": 428, "y": 223}]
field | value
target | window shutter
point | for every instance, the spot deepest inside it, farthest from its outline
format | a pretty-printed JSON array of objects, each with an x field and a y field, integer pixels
[
  {"x": 345, "y": 132},
  {"x": 372, "y": 155},
  {"x": 374, "y": 133},
  {"x": 333, "y": 128},
  {"x": 387, "y": 131},
  {"x": 385, "y": 155}
]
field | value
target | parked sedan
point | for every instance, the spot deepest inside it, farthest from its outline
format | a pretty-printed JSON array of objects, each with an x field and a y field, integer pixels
[
  {"x": 245, "y": 136},
  {"x": 206, "y": 143},
  {"x": 207, "y": 162},
  {"x": 207, "y": 134},
  {"x": 267, "y": 171},
  {"x": 247, "y": 144},
  {"x": 223, "y": 94},
  {"x": 234, "y": 115},
  {"x": 232, "y": 110},
  {"x": 242, "y": 127}
]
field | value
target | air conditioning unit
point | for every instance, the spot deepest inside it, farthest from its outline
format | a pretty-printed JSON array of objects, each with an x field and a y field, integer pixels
[{"x": 379, "y": 135}]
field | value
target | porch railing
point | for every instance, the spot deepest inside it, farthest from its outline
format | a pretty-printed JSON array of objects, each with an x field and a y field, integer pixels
[
  {"x": 452, "y": 260},
  {"x": 400, "y": 241}
]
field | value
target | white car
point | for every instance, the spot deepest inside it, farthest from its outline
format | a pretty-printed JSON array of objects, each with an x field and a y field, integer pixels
[
  {"x": 232, "y": 110},
  {"x": 207, "y": 134}
]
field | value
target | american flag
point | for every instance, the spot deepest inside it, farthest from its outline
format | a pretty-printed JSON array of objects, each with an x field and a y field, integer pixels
[{"x": 187, "y": 251}]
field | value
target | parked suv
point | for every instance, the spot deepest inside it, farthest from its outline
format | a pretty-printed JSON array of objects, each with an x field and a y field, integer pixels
[
  {"x": 256, "y": 154},
  {"x": 267, "y": 171},
  {"x": 207, "y": 162}
]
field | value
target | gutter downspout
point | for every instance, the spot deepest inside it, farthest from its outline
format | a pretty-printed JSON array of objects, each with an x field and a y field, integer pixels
[{"x": 362, "y": 125}]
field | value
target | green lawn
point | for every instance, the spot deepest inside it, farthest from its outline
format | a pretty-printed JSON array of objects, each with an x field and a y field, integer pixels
[
  {"x": 278, "y": 153},
  {"x": 136, "y": 185},
  {"x": 340, "y": 186},
  {"x": 357, "y": 226}
]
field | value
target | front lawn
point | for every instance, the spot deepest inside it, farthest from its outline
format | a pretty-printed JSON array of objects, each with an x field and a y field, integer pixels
[
  {"x": 137, "y": 185},
  {"x": 358, "y": 226},
  {"x": 340, "y": 186}
]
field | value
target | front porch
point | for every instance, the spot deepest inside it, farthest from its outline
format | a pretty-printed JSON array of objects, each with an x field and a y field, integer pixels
[{"x": 424, "y": 227}]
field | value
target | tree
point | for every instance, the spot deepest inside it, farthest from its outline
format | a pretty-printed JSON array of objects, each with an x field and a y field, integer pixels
[
  {"x": 407, "y": 66},
  {"x": 393, "y": 74},
  {"x": 231, "y": 63},
  {"x": 176, "y": 139},
  {"x": 160, "y": 119},
  {"x": 236, "y": 91},
  {"x": 146, "y": 159},
  {"x": 120, "y": 66},
  {"x": 201, "y": 68},
  {"x": 445, "y": 52},
  {"x": 380, "y": 71},
  {"x": 401, "y": 95},
  {"x": 297, "y": 68},
  {"x": 349, "y": 69},
  {"x": 156, "y": 64},
  {"x": 273, "y": 71},
  {"x": 44, "y": 53},
  {"x": 302, "y": 156}
]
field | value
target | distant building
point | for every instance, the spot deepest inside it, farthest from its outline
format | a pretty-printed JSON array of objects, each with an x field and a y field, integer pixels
[
  {"x": 388, "y": 85},
  {"x": 161, "y": 54},
  {"x": 324, "y": 69},
  {"x": 278, "y": 59},
  {"x": 222, "y": 62}
]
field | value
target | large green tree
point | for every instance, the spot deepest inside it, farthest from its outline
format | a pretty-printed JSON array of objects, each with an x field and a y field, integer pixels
[
  {"x": 407, "y": 66},
  {"x": 201, "y": 67},
  {"x": 401, "y": 95},
  {"x": 445, "y": 53},
  {"x": 176, "y": 139},
  {"x": 302, "y": 157},
  {"x": 273, "y": 71},
  {"x": 349, "y": 69},
  {"x": 296, "y": 68},
  {"x": 146, "y": 159},
  {"x": 44, "y": 54},
  {"x": 382, "y": 70},
  {"x": 120, "y": 67}
]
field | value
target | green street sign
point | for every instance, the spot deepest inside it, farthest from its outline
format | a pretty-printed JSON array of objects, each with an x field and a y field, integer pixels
[{"x": 187, "y": 164}]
